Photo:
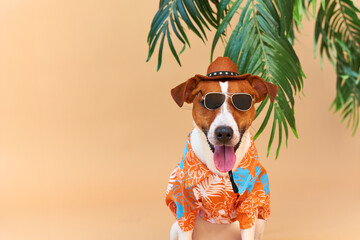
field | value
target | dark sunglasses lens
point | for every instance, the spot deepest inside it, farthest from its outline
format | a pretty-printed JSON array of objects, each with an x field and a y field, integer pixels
[
  {"x": 214, "y": 100},
  {"x": 242, "y": 101}
]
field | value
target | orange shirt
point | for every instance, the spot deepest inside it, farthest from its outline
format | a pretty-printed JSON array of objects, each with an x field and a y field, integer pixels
[{"x": 194, "y": 190}]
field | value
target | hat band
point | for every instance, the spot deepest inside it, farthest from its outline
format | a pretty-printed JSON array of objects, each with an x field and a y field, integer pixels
[{"x": 222, "y": 73}]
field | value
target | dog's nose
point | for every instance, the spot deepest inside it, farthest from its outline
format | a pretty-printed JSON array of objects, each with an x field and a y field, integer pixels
[{"x": 224, "y": 134}]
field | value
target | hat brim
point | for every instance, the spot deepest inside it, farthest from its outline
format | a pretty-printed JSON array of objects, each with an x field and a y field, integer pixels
[{"x": 223, "y": 77}]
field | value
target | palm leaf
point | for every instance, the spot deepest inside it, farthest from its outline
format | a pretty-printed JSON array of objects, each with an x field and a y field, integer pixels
[
  {"x": 172, "y": 15},
  {"x": 259, "y": 45},
  {"x": 337, "y": 32}
]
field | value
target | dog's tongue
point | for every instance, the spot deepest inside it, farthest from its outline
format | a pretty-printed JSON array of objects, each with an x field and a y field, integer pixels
[{"x": 224, "y": 158}]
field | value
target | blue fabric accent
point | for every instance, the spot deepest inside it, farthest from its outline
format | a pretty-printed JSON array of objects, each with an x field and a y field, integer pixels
[
  {"x": 179, "y": 210},
  {"x": 253, "y": 180},
  {"x": 242, "y": 179},
  {"x": 186, "y": 150},
  {"x": 265, "y": 182},
  {"x": 181, "y": 164},
  {"x": 258, "y": 171},
  {"x": 251, "y": 184}
]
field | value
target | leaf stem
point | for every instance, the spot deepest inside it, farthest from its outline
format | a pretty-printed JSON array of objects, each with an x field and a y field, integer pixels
[
  {"x": 260, "y": 39},
  {"x": 348, "y": 28}
]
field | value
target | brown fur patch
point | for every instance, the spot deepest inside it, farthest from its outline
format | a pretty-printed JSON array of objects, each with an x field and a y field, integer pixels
[{"x": 204, "y": 117}]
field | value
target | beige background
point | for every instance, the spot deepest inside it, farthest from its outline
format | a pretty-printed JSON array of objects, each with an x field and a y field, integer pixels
[{"x": 89, "y": 132}]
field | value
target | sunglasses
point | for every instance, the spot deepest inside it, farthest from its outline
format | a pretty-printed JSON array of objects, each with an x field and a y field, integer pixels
[{"x": 241, "y": 101}]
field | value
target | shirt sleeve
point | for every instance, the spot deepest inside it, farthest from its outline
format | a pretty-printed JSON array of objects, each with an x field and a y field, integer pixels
[
  {"x": 256, "y": 203},
  {"x": 181, "y": 200}
]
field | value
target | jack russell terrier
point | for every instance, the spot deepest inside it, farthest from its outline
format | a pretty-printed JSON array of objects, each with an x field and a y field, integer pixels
[{"x": 220, "y": 179}]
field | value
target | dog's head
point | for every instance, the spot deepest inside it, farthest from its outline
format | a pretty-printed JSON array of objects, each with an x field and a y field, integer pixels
[{"x": 225, "y": 125}]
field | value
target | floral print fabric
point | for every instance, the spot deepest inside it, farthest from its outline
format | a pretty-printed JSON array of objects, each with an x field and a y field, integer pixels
[{"x": 194, "y": 190}]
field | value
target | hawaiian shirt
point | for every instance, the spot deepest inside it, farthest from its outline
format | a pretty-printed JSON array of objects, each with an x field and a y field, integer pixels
[{"x": 194, "y": 190}]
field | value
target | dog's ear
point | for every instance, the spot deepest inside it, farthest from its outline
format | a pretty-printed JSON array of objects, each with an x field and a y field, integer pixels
[
  {"x": 185, "y": 91},
  {"x": 263, "y": 88}
]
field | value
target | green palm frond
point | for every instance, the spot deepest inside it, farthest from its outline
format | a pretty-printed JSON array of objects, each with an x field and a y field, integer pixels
[
  {"x": 172, "y": 14},
  {"x": 259, "y": 45},
  {"x": 300, "y": 9},
  {"x": 338, "y": 33}
]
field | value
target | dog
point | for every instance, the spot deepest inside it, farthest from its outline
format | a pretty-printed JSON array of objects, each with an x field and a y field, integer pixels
[{"x": 219, "y": 190}]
